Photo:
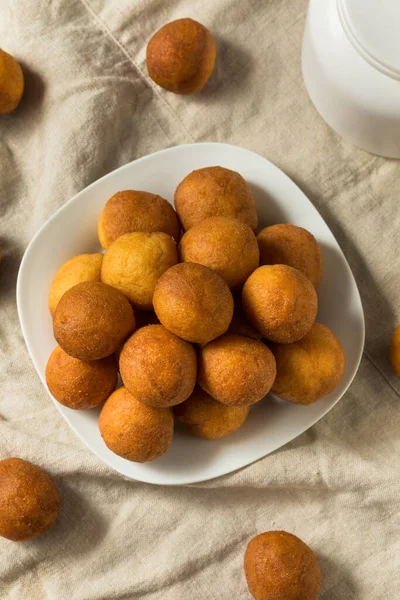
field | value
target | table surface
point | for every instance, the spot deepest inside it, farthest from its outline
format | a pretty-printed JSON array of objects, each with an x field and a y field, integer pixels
[{"x": 90, "y": 107}]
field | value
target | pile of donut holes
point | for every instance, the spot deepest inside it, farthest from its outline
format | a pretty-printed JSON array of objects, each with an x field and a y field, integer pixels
[{"x": 200, "y": 324}]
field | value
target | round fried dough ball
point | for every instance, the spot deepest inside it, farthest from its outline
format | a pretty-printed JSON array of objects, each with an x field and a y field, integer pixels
[
  {"x": 225, "y": 245},
  {"x": 214, "y": 192},
  {"x": 80, "y": 384},
  {"x": 157, "y": 367},
  {"x": 134, "y": 263},
  {"x": 130, "y": 211},
  {"x": 29, "y": 500},
  {"x": 180, "y": 56},
  {"x": 134, "y": 430},
  {"x": 280, "y": 302},
  {"x": 92, "y": 320},
  {"x": 236, "y": 370},
  {"x": 279, "y": 566},
  {"x": 142, "y": 319},
  {"x": 290, "y": 245},
  {"x": 85, "y": 267},
  {"x": 193, "y": 302},
  {"x": 11, "y": 83},
  {"x": 395, "y": 351},
  {"x": 206, "y": 418},
  {"x": 308, "y": 369}
]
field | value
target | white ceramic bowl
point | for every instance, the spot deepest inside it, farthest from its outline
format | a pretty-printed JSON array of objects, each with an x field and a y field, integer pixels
[
  {"x": 351, "y": 69},
  {"x": 272, "y": 422}
]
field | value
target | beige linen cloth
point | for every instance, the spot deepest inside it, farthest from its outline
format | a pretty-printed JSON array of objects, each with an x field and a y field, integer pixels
[{"x": 90, "y": 107}]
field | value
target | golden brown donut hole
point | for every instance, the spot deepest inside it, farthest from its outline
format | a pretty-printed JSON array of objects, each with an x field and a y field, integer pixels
[
  {"x": 130, "y": 210},
  {"x": 225, "y": 245},
  {"x": 395, "y": 351},
  {"x": 157, "y": 367},
  {"x": 11, "y": 83},
  {"x": 206, "y": 418},
  {"x": 85, "y": 267},
  {"x": 310, "y": 368},
  {"x": 293, "y": 246},
  {"x": 80, "y": 384},
  {"x": 29, "y": 500},
  {"x": 92, "y": 320},
  {"x": 193, "y": 302},
  {"x": 134, "y": 263},
  {"x": 280, "y": 302},
  {"x": 214, "y": 192},
  {"x": 236, "y": 370},
  {"x": 133, "y": 430},
  {"x": 180, "y": 56},
  {"x": 279, "y": 566}
]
